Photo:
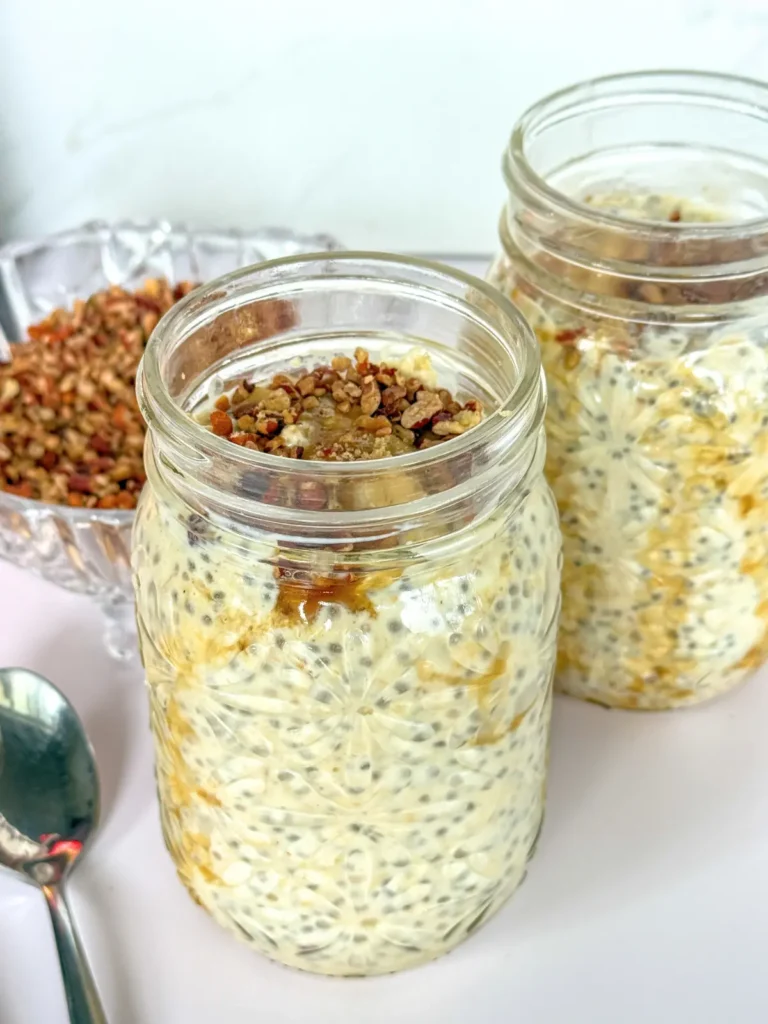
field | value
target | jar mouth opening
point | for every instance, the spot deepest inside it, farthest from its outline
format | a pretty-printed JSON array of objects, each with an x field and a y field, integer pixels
[
  {"x": 511, "y": 422},
  {"x": 741, "y": 96}
]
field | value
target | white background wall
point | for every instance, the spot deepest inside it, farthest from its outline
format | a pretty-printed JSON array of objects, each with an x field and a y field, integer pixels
[{"x": 382, "y": 122}]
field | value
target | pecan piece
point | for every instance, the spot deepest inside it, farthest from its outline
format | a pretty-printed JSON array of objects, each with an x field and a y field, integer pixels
[
  {"x": 100, "y": 445},
  {"x": 268, "y": 427},
  {"x": 371, "y": 398},
  {"x": 80, "y": 483},
  {"x": 421, "y": 412},
  {"x": 278, "y": 400},
  {"x": 412, "y": 386},
  {"x": 221, "y": 423},
  {"x": 447, "y": 428},
  {"x": 407, "y": 436},
  {"x": 9, "y": 389},
  {"x": 461, "y": 422},
  {"x": 391, "y": 397}
]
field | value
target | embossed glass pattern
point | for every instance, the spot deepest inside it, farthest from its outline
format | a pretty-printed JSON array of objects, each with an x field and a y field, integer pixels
[
  {"x": 350, "y": 703},
  {"x": 88, "y": 551},
  {"x": 635, "y": 241}
]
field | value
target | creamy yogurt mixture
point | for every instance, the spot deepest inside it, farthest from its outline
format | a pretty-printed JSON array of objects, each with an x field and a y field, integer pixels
[
  {"x": 658, "y": 457},
  {"x": 351, "y": 776}
]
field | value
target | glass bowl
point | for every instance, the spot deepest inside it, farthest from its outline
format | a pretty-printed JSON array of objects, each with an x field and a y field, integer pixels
[{"x": 88, "y": 550}]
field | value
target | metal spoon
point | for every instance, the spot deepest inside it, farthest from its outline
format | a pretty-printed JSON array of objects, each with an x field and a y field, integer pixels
[{"x": 49, "y": 806}]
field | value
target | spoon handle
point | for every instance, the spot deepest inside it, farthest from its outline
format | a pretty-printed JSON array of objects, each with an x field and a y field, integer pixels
[{"x": 82, "y": 998}]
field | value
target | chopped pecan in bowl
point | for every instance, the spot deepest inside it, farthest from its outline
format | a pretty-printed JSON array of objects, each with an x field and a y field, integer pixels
[
  {"x": 66, "y": 512},
  {"x": 70, "y": 429}
]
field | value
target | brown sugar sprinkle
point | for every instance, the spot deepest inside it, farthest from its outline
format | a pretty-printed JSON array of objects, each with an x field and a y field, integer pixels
[
  {"x": 70, "y": 428},
  {"x": 352, "y": 409}
]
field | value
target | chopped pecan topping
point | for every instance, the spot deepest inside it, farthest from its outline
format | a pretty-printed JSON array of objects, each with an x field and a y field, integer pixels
[{"x": 352, "y": 409}]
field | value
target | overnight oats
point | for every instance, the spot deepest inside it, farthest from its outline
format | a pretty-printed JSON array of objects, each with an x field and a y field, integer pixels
[
  {"x": 642, "y": 269},
  {"x": 347, "y": 572}
]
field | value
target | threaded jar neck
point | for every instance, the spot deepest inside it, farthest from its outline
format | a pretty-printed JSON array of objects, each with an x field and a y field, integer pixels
[
  {"x": 598, "y": 175},
  {"x": 265, "y": 319}
]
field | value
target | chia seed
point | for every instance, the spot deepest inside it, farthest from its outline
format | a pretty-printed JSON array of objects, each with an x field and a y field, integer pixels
[{"x": 296, "y": 760}]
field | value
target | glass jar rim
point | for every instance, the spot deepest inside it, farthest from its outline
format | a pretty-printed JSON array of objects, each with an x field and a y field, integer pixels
[
  {"x": 714, "y": 89},
  {"x": 514, "y": 421}
]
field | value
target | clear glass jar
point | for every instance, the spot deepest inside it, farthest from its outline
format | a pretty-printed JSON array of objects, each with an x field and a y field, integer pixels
[
  {"x": 635, "y": 240},
  {"x": 349, "y": 663}
]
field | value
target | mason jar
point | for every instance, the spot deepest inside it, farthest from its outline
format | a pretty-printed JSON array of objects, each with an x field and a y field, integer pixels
[
  {"x": 635, "y": 240},
  {"x": 349, "y": 663}
]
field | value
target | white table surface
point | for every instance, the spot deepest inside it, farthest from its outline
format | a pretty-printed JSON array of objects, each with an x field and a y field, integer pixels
[{"x": 646, "y": 903}]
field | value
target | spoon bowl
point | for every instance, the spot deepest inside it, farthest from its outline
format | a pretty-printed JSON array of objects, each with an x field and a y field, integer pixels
[{"x": 49, "y": 809}]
